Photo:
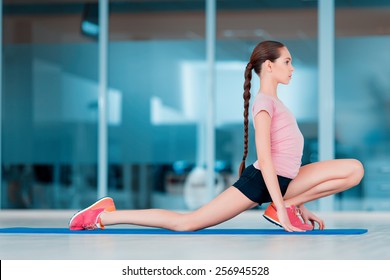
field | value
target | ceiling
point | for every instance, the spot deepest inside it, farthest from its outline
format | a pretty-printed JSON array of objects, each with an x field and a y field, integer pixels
[{"x": 58, "y": 21}]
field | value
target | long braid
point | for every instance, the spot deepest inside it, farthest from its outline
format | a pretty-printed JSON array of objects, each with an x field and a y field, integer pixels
[{"x": 246, "y": 96}]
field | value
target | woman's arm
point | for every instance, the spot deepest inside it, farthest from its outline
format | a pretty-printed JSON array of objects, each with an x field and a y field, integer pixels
[{"x": 263, "y": 148}]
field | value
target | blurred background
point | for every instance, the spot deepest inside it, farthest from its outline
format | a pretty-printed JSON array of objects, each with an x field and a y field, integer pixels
[{"x": 157, "y": 97}]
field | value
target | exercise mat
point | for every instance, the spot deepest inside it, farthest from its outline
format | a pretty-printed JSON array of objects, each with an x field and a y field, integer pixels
[{"x": 157, "y": 231}]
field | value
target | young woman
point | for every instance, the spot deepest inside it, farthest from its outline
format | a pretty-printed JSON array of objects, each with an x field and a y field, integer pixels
[{"x": 277, "y": 175}]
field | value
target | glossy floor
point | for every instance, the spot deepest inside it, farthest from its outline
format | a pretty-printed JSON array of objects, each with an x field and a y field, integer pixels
[{"x": 373, "y": 245}]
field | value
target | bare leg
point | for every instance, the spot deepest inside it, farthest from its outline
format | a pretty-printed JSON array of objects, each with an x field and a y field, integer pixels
[
  {"x": 227, "y": 205},
  {"x": 321, "y": 179}
]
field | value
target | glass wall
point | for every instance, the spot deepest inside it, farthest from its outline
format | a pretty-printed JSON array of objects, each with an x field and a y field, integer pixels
[
  {"x": 157, "y": 77},
  {"x": 155, "y": 51},
  {"x": 362, "y": 95},
  {"x": 49, "y": 120}
]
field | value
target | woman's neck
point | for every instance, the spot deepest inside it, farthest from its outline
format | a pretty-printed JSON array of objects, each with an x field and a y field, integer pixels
[
  {"x": 269, "y": 89},
  {"x": 268, "y": 85}
]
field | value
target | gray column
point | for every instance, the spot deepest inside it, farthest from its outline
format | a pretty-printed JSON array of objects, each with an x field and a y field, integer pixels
[
  {"x": 326, "y": 102},
  {"x": 102, "y": 120},
  {"x": 210, "y": 131}
]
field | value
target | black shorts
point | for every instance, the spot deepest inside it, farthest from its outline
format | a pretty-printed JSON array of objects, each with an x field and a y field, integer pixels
[{"x": 252, "y": 185}]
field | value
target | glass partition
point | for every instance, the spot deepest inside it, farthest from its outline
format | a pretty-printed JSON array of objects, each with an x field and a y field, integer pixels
[
  {"x": 362, "y": 95},
  {"x": 157, "y": 97},
  {"x": 49, "y": 121},
  {"x": 154, "y": 142}
]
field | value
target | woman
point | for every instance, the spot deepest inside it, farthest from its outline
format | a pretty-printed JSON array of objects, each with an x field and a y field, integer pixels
[{"x": 276, "y": 176}]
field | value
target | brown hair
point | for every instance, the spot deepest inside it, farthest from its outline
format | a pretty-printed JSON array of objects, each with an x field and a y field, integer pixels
[{"x": 266, "y": 50}]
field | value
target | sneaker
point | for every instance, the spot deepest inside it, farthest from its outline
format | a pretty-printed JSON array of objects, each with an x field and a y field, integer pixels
[
  {"x": 293, "y": 213},
  {"x": 89, "y": 218}
]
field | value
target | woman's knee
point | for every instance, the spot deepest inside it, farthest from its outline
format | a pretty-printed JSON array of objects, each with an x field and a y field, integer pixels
[
  {"x": 184, "y": 226},
  {"x": 185, "y": 223},
  {"x": 357, "y": 172}
]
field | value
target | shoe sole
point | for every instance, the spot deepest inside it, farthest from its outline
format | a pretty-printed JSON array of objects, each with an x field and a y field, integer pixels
[
  {"x": 91, "y": 207},
  {"x": 272, "y": 220}
]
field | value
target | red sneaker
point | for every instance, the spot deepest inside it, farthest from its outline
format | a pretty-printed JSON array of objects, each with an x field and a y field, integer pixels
[
  {"x": 89, "y": 218},
  {"x": 293, "y": 213}
]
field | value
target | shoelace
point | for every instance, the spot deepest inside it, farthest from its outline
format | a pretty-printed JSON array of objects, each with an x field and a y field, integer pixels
[
  {"x": 94, "y": 225},
  {"x": 296, "y": 214},
  {"x": 90, "y": 226}
]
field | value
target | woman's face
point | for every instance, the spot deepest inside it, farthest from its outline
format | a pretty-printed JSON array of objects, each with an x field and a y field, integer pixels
[{"x": 282, "y": 68}]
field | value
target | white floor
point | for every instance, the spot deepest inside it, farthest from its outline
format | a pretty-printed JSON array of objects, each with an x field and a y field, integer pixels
[{"x": 370, "y": 246}]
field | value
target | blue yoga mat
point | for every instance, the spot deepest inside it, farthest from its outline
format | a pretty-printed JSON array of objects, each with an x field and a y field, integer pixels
[{"x": 155, "y": 231}]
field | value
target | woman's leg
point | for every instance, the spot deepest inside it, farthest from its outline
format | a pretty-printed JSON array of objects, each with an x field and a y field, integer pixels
[
  {"x": 321, "y": 179},
  {"x": 225, "y": 206}
]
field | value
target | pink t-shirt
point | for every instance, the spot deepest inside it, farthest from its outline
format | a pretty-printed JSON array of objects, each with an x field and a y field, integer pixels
[{"x": 286, "y": 138}]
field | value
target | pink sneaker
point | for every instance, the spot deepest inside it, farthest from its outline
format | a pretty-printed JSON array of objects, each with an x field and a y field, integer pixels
[
  {"x": 89, "y": 218},
  {"x": 293, "y": 213}
]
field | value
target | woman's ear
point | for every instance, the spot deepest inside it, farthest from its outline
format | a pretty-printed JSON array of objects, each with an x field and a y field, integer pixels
[{"x": 267, "y": 65}]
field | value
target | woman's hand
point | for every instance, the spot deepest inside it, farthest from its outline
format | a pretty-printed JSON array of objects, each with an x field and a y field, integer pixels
[
  {"x": 308, "y": 216},
  {"x": 285, "y": 221}
]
